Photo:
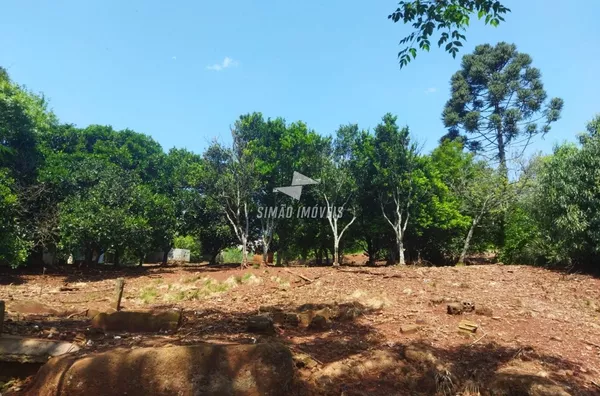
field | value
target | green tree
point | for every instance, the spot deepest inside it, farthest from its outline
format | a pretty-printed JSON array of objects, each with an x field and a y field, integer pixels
[
  {"x": 568, "y": 200},
  {"x": 499, "y": 101},
  {"x": 395, "y": 161},
  {"x": 372, "y": 226},
  {"x": 450, "y": 17},
  {"x": 230, "y": 179},
  {"x": 338, "y": 187}
]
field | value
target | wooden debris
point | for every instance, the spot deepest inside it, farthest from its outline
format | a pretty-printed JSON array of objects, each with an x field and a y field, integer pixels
[
  {"x": 119, "y": 293},
  {"x": 84, "y": 312},
  {"x": 299, "y": 276},
  {"x": 589, "y": 343},
  {"x": 467, "y": 326},
  {"x": 1, "y": 315},
  {"x": 479, "y": 339}
]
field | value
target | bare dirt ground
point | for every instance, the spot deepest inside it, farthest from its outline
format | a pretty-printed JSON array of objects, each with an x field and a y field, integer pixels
[{"x": 537, "y": 330}]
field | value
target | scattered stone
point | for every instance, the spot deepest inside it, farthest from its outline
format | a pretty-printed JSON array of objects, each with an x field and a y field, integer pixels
[
  {"x": 32, "y": 350},
  {"x": 565, "y": 373},
  {"x": 137, "y": 322},
  {"x": 303, "y": 360},
  {"x": 421, "y": 321},
  {"x": 207, "y": 369},
  {"x": 455, "y": 308},
  {"x": 409, "y": 329},
  {"x": 319, "y": 322},
  {"x": 285, "y": 318},
  {"x": 483, "y": 311},
  {"x": 260, "y": 324},
  {"x": 407, "y": 291},
  {"x": 555, "y": 338},
  {"x": 496, "y": 317},
  {"x": 468, "y": 306}
]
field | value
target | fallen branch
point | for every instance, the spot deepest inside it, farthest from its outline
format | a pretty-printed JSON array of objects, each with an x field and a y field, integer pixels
[
  {"x": 78, "y": 313},
  {"x": 307, "y": 354},
  {"x": 589, "y": 343},
  {"x": 299, "y": 276},
  {"x": 477, "y": 340}
]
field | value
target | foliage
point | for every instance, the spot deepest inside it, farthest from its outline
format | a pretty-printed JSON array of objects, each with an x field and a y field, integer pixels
[
  {"x": 451, "y": 17},
  {"x": 497, "y": 100},
  {"x": 190, "y": 243}
]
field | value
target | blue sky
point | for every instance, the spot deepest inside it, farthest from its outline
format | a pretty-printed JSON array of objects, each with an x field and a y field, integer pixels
[{"x": 183, "y": 71}]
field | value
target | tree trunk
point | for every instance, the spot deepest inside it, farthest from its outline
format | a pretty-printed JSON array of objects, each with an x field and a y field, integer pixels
[
  {"x": 336, "y": 257},
  {"x": 265, "y": 253},
  {"x": 165, "y": 258},
  {"x": 117, "y": 258},
  {"x": 463, "y": 254},
  {"x": 279, "y": 253},
  {"x": 88, "y": 256},
  {"x": 401, "y": 252},
  {"x": 141, "y": 260},
  {"x": 244, "y": 252}
]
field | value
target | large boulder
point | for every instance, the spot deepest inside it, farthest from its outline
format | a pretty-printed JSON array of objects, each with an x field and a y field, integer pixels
[
  {"x": 32, "y": 350},
  {"x": 137, "y": 322},
  {"x": 244, "y": 370}
]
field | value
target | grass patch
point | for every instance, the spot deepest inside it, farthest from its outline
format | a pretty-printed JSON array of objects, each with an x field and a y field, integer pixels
[
  {"x": 246, "y": 277},
  {"x": 148, "y": 294},
  {"x": 192, "y": 279},
  {"x": 231, "y": 255}
]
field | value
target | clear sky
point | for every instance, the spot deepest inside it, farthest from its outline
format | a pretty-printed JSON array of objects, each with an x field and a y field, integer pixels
[{"x": 183, "y": 71}]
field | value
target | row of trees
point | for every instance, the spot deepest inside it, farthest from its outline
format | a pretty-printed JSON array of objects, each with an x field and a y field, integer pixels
[{"x": 93, "y": 190}]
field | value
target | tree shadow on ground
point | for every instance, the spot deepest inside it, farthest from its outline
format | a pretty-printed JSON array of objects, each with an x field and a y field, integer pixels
[
  {"x": 8, "y": 278},
  {"x": 352, "y": 358}
]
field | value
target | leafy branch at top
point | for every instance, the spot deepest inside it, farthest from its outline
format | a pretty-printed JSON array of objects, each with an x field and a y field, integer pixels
[{"x": 451, "y": 17}]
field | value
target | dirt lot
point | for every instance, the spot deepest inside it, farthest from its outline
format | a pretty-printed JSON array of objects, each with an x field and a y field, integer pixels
[{"x": 389, "y": 333}]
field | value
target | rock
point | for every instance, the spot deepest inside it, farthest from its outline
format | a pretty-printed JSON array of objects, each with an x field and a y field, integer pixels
[
  {"x": 208, "y": 369},
  {"x": 285, "y": 318},
  {"x": 303, "y": 360},
  {"x": 137, "y": 322},
  {"x": 565, "y": 373},
  {"x": 91, "y": 313},
  {"x": 555, "y": 338},
  {"x": 319, "y": 322},
  {"x": 31, "y": 308},
  {"x": 547, "y": 390},
  {"x": 31, "y": 350},
  {"x": 306, "y": 316},
  {"x": 409, "y": 329},
  {"x": 455, "y": 308},
  {"x": 484, "y": 311},
  {"x": 260, "y": 324},
  {"x": 407, "y": 291}
]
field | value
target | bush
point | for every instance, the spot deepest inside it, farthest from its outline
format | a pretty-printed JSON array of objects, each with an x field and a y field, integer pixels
[{"x": 190, "y": 243}]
